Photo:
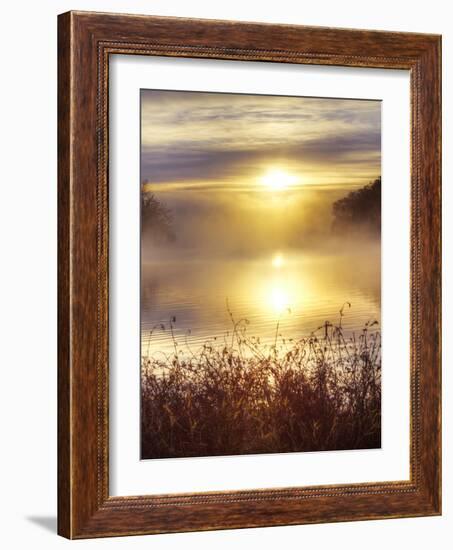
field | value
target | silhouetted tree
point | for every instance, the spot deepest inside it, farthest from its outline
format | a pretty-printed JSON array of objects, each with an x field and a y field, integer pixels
[
  {"x": 157, "y": 223},
  {"x": 359, "y": 211}
]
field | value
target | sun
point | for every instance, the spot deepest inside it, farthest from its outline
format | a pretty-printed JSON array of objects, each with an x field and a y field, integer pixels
[
  {"x": 278, "y": 180},
  {"x": 277, "y": 261}
]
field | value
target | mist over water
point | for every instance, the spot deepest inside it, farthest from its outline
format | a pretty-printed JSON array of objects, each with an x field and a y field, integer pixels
[{"x": 266, "y": 257}]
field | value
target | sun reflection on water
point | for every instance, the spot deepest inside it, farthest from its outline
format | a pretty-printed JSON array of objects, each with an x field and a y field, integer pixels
[
  {"x": 279, "y": 299},
  {"x": 280, "y": 288}
]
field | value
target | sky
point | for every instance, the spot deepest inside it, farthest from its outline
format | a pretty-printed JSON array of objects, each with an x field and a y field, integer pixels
[{"x": 196, "y": 139}]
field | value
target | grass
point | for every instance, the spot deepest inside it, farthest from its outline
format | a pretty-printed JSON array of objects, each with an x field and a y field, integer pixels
[{"x": 317, "y": 393}]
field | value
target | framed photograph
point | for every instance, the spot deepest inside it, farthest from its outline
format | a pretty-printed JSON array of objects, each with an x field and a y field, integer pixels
[{"x": 249, "y": 275}]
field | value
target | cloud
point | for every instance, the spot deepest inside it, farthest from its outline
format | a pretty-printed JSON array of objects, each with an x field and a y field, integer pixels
[{"x": 189, "y": 136}]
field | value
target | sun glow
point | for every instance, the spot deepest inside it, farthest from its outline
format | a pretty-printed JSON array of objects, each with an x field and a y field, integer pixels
[
  {"x": 279, "y": 299},
  {"x": 278, "y": 180},
  {"x": 277, "y": 261}
]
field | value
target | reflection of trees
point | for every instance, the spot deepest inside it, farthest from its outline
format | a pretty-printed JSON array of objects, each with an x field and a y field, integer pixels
[
  {"x": 359, "y": 211},
  {"x": 157, "y": 223}
]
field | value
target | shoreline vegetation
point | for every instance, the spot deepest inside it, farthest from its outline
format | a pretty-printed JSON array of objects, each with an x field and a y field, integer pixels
[{"x": 240, "y": 396}]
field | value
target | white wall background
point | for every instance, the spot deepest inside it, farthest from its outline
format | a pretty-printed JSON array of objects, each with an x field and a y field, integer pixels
[{"x": 28, "y": 122}]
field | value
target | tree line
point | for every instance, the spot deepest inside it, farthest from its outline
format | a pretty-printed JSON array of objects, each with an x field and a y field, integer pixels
[{"x": 359, "y": 211}]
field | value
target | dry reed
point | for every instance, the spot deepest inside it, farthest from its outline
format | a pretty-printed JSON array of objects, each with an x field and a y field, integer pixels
[{"x": 317, "y": 393}]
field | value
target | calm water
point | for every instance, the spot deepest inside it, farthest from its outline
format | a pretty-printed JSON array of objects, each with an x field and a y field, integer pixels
[{"x": 301, "y": 291}]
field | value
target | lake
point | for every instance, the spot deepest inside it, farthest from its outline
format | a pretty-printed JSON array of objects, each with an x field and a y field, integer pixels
[{"x": 300, "y": 291}]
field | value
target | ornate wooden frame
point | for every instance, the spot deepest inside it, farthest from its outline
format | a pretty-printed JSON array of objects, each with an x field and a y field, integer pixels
[{"x": 85, "y": 42}]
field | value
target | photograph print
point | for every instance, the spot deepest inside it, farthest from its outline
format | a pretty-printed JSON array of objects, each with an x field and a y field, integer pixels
[{"x": 260, "y": 274}]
